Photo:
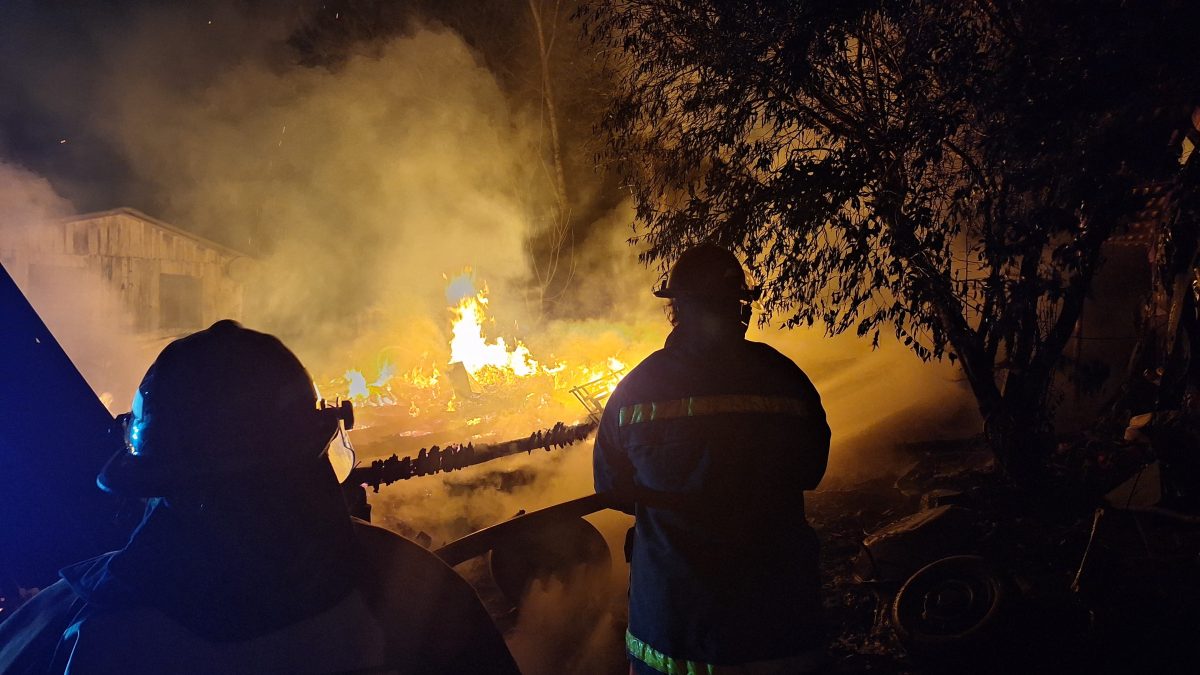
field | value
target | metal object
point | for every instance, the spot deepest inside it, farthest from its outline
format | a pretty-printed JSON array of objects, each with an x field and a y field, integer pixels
[
  {"x": 952, "y": 607},
  {"x": 479, "y": 543},
  {"x": 592, "y": 395}
]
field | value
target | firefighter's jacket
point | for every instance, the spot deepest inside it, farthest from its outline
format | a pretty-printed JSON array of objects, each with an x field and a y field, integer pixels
[
  {"x": 711, "y": 445},
  {"x": 407, "y": 612}
]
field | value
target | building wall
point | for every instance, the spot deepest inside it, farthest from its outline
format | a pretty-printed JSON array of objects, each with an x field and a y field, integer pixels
[{"x": 166, "y": 281}]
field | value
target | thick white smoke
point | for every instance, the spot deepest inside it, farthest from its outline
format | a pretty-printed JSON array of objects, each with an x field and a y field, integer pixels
[{"x": 88, "y": 319}]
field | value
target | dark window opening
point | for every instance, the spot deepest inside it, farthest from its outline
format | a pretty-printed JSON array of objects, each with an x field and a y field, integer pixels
[
  {"x": 179, "y": 302},
  {"x": 79, "y": 239}
]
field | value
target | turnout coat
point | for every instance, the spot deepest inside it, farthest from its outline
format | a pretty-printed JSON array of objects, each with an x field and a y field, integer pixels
[{"x": 711, "y": 445}]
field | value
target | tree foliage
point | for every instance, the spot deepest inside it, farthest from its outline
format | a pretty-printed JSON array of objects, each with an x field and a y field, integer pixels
[{"x": 945, "y": 171}]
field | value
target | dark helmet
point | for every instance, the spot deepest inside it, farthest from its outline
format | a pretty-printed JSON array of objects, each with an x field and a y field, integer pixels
[
  {"x": 218, "y": 404},
  {"x": 707, "y": 271}
]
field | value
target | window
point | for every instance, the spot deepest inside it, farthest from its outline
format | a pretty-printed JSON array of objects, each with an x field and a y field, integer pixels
[{"x": 79, "y": 240}]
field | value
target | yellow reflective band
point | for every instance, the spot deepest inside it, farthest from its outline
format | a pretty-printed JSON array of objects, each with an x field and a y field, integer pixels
[
  {"x": 697, "y": 406},
  {"x": 663, "y": 663},
  {"x": 811, "y": 661}
]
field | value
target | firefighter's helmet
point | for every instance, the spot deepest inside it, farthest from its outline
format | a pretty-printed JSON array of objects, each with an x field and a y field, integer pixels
[
  {"x": 707, "y": 271},
  {"x": 222, "y": 403}
]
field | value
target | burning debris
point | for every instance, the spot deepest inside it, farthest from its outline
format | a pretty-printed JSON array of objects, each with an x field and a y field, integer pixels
[
  {"x": 488, "y": 362},
  {"x": 477, "y": 367},
  {"x": 455, "y": 456}
]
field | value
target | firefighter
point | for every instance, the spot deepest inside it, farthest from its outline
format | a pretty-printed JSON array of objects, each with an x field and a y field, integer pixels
[
  {"x": 246, "y": 559},
  {"x": 710, "y": 443}
]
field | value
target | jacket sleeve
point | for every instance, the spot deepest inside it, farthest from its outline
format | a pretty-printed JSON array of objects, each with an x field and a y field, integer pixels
[
  {"x": 29, "y": 639},
  {"x": 814, "y": 439},
  {"x": 612, "y": 470},
  {"x": 816, "y": 446}
]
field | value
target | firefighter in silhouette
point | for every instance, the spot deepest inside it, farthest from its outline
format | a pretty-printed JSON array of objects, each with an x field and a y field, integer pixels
[
  {"x": 710, "y": 443},
  {"x": 246, "y": 559}
]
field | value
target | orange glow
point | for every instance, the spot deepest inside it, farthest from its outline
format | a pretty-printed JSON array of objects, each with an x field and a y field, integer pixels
[
  {"x": 502, "y": 369},
  {"x": 489, "y": 362}
]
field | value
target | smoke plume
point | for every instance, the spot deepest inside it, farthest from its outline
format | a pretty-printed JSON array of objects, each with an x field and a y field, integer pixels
[{"x": 88, "y": 319}]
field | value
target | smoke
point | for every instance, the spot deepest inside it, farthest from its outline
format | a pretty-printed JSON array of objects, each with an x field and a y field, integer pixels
[
  {"x": 88, "y": 319},
  {"x": 358, "y": 189},
  {"x": 591, "y": 629},
  {"x": 29, "y": 201},
  {"x": 877, "y": 399}
]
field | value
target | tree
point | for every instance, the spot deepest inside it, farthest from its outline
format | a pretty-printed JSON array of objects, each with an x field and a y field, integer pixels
[
  {"x": 558, "y": 264},
  {"x": 948, "y": 170}
]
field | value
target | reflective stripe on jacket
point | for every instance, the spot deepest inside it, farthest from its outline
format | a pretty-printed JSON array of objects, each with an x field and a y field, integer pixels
[
  {"x": 712, "y": 447},
  {"x": 811, "y": 661}
]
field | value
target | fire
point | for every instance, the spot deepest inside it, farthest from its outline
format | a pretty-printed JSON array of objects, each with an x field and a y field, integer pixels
[
  {"x": 488, "y": 362},
  {"x": 484, "y": 368}
]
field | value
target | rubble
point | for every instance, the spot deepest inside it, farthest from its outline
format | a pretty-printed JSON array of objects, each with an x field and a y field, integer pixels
[{"x": 951, "y": 568}]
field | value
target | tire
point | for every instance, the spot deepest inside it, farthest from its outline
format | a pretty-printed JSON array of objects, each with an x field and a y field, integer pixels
[{"x": 951, "y": 608}]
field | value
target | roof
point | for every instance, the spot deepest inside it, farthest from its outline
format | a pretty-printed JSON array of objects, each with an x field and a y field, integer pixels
[{"x": 173, "y": 229}]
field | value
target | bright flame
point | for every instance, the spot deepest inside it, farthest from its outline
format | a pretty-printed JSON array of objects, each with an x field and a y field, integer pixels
[
  {"x": 505, "y": 372},
  {"x": 469, "y": 347}
]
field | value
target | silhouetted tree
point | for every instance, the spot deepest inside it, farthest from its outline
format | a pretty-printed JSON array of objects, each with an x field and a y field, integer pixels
[{"x": 950, "y": 170}]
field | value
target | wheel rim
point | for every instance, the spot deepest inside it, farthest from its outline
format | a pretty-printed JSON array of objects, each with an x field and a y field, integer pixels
[{"x": 951, "y": 601}]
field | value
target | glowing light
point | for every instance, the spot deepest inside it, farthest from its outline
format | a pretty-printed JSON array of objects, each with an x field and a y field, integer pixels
[
  {"x": 487, "y": 361},
  {"x": 422, "y": 380},
  {"x": 358, "y": 385},
  {"x": 385, "y": 375},
  {"x": 499, "y": 369}
]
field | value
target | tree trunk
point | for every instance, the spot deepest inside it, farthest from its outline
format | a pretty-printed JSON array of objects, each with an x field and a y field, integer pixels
[
  {"x": 559, "y": 234},
  {"x": 1020, "y": 428}
]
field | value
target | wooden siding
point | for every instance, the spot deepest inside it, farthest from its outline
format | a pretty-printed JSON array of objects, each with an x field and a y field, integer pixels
[{"x": 127, "y": 252}]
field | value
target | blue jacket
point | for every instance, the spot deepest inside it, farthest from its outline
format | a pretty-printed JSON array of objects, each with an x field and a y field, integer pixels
[{"x": 711, "y": 446}]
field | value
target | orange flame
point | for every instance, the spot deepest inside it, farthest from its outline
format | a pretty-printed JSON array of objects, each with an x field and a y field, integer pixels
[
  {"x": 488, "y": 362},
  {"x": 493, "y": 363}
]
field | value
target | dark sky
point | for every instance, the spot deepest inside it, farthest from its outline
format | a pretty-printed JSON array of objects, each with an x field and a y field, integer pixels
[
  {"x": 49, "y": 59},
  {"x": 55, "y": 68}
]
